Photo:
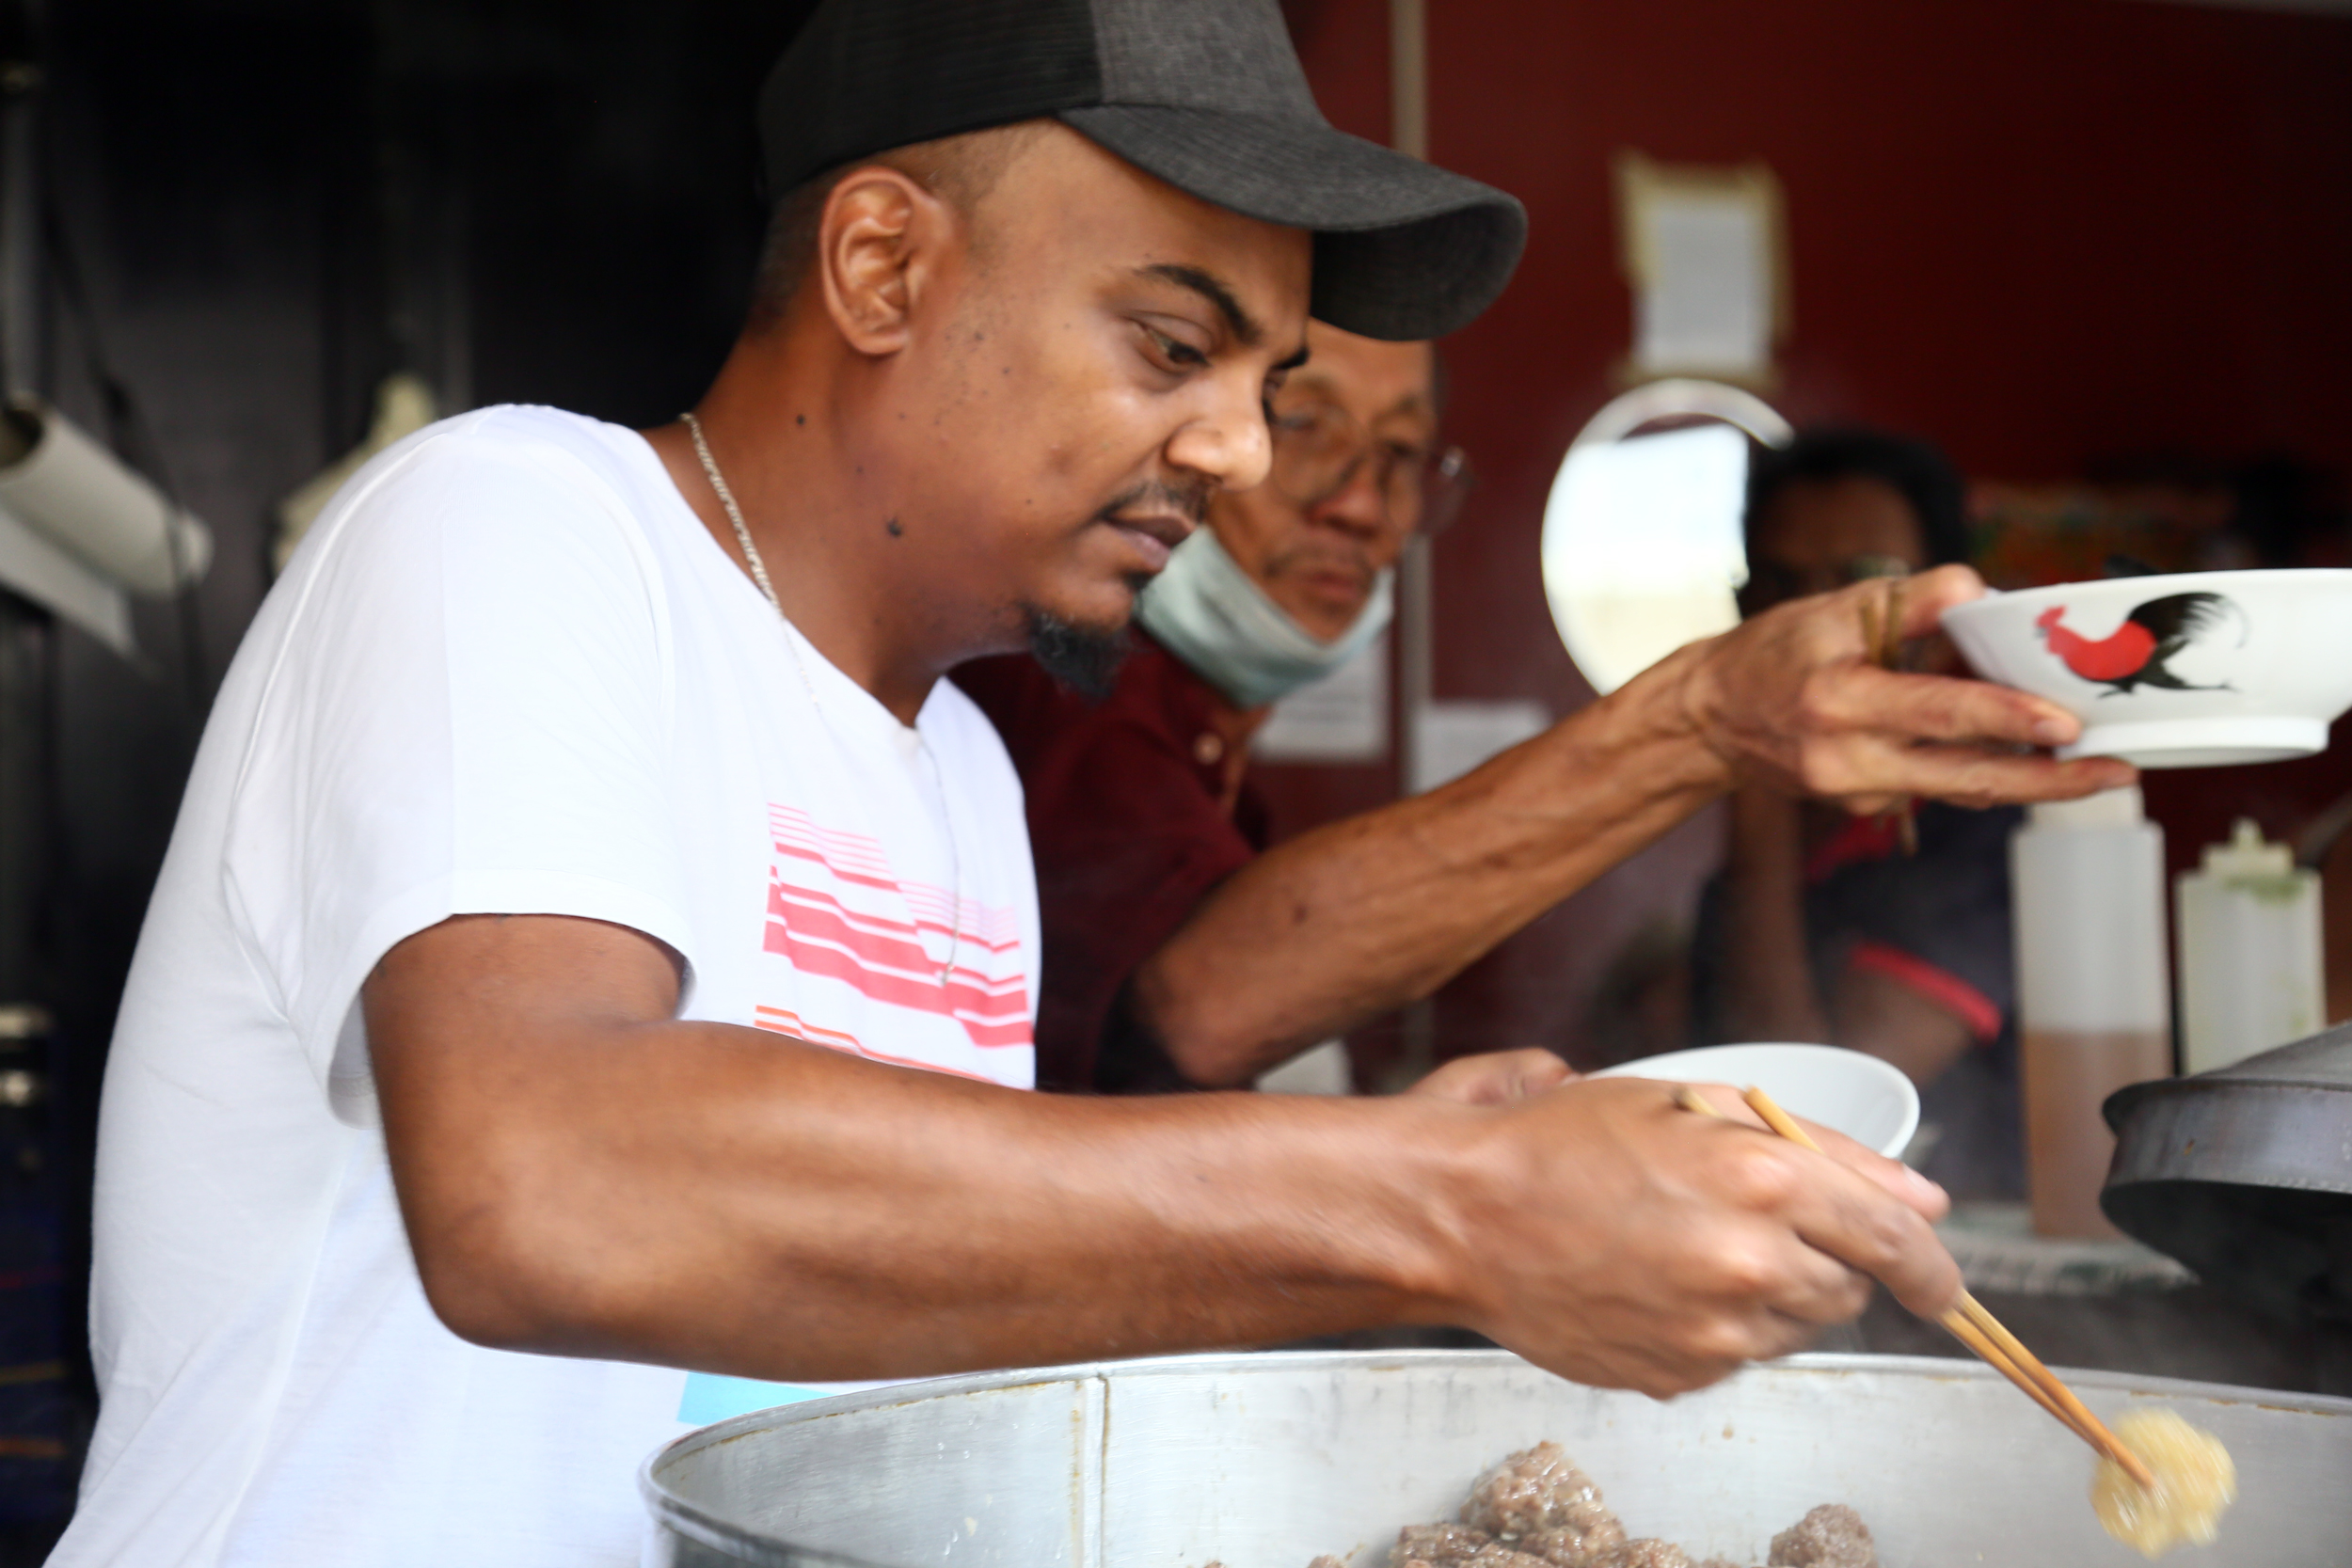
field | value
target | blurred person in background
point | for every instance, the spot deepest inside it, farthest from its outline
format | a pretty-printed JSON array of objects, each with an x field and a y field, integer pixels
[{"x": 1819, "y": 926}]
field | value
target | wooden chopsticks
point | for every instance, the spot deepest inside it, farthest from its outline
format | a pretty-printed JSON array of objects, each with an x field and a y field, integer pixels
[{"x": 1966, "y": 1319}]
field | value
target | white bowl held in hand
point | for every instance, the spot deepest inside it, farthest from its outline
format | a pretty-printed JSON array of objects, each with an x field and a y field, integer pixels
[
  {"x": 2190, "y": 670},
  {"x": 1869, "y": 1101}
]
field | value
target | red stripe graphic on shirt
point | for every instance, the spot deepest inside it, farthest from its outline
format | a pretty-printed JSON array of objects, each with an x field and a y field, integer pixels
[
  {"x": 783, "y": 1023},
  {"x": 859, "y": 860},
  {"x": 820, "y": 941},
  {"x": 884, "y": 931},
  {"x": 817, "y": 916},
  {"x": 883, "y": 957}
]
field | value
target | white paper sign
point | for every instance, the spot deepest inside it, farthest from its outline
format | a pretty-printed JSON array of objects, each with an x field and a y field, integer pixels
[
  {"x": 1708, "y": 302},
  {"x": 1702, "y": 251}
]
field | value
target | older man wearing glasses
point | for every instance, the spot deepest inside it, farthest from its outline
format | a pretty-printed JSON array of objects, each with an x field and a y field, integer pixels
[{"x": 1148, "y": 840}]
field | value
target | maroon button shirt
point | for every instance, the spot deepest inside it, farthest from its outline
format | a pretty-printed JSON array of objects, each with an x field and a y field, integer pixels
[{"x": 1137, "y": 807}]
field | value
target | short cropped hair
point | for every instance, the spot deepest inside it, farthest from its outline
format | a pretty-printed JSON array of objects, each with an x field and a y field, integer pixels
[
  {"x": 1915, "y": 469},
  {"x": 960, "y": 170}
]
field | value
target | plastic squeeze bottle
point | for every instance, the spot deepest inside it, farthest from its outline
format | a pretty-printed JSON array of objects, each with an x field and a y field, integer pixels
[
  {"x": 2094, "y": 999},
  {"x": 2249, "y": 951}
]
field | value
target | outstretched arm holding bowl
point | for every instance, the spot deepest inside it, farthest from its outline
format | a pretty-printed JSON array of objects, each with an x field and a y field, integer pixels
[{"x": 1365, "y": 914}]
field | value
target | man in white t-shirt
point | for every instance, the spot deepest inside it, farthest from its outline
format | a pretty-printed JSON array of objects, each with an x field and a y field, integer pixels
[{"x": 583, "y": 848}]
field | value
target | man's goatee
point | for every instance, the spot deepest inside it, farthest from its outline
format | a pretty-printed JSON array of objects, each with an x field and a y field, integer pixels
[{"x": 1085, "y": 659}]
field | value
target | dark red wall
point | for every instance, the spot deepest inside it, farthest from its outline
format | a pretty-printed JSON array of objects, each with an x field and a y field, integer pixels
[{"x": 2048, "y": 234}]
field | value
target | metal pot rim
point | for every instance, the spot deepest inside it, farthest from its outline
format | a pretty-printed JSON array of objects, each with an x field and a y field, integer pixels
[{"x": 696, "y": 1523}]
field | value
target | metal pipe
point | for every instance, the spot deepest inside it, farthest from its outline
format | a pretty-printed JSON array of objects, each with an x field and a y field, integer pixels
[{"x": 1408, "y": 132}]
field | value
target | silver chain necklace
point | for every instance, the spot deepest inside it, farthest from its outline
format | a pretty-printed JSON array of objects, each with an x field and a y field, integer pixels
[{"x": 759, "y": 576}]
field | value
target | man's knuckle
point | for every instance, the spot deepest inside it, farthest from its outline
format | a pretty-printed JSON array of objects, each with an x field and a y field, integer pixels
[
  {"x": 1839, "y": 1292},
  {"x": 1744, "y": 1271},
  {"x": 1889, "y": 1232},
  {"x": 1820, "y": 704},
  {"x": 1758, "y": 1176}
]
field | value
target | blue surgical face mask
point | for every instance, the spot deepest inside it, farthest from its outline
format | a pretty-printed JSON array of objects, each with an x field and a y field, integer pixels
[{"x": 1214, "y": 616}]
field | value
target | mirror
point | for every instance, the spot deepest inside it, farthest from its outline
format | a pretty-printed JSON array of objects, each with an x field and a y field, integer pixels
[{"x": 1642, "y": 547}]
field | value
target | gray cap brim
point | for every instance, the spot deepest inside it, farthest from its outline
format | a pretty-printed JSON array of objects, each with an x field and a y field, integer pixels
[{"x": 1403, "y": 249}]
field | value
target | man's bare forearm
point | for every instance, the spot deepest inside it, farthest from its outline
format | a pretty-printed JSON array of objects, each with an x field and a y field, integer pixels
[
  {"x": 1363, "y": 916},
  {"x": 581, "y": 1175},
  {"x": 806, "y": 1214}
]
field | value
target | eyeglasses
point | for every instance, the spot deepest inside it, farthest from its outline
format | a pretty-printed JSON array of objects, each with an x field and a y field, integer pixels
[{"x": 1320, "y": 448}]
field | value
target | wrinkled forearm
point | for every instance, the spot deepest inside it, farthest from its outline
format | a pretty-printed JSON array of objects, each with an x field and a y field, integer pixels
[{"x": 1366, "y": 914}]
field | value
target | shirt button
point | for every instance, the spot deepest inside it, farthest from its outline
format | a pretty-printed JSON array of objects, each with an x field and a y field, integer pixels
[{"x": 1209, "y": 750}]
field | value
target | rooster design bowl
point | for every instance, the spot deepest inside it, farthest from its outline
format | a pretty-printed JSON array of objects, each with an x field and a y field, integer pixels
[{"x": 2192, "y": 670}]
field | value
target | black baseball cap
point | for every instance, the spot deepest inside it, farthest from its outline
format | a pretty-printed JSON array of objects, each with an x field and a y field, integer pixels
[{"x": 1205, "y": 94}]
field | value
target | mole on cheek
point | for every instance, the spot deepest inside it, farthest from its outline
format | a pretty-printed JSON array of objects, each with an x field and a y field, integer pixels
[{"x": 895, "y": 531}]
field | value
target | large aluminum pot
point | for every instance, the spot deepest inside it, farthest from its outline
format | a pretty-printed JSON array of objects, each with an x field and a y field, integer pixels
[{"x": 1266, "y": 1461}]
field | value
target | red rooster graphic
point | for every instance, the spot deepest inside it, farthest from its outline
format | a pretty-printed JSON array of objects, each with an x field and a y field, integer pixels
[{"x": 2136, "y": 652}]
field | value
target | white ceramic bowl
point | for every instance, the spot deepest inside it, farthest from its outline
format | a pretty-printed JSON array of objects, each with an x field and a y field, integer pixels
[
  {"x": 1869, "y": 1101},
  {"x": 2191, "y": 669}
]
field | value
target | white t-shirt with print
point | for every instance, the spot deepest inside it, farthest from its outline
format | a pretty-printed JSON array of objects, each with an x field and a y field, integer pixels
[{"x": 508, "y": 673}]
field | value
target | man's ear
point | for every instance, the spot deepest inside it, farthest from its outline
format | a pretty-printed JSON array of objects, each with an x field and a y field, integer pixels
[{"x": 879, "y": 244}]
